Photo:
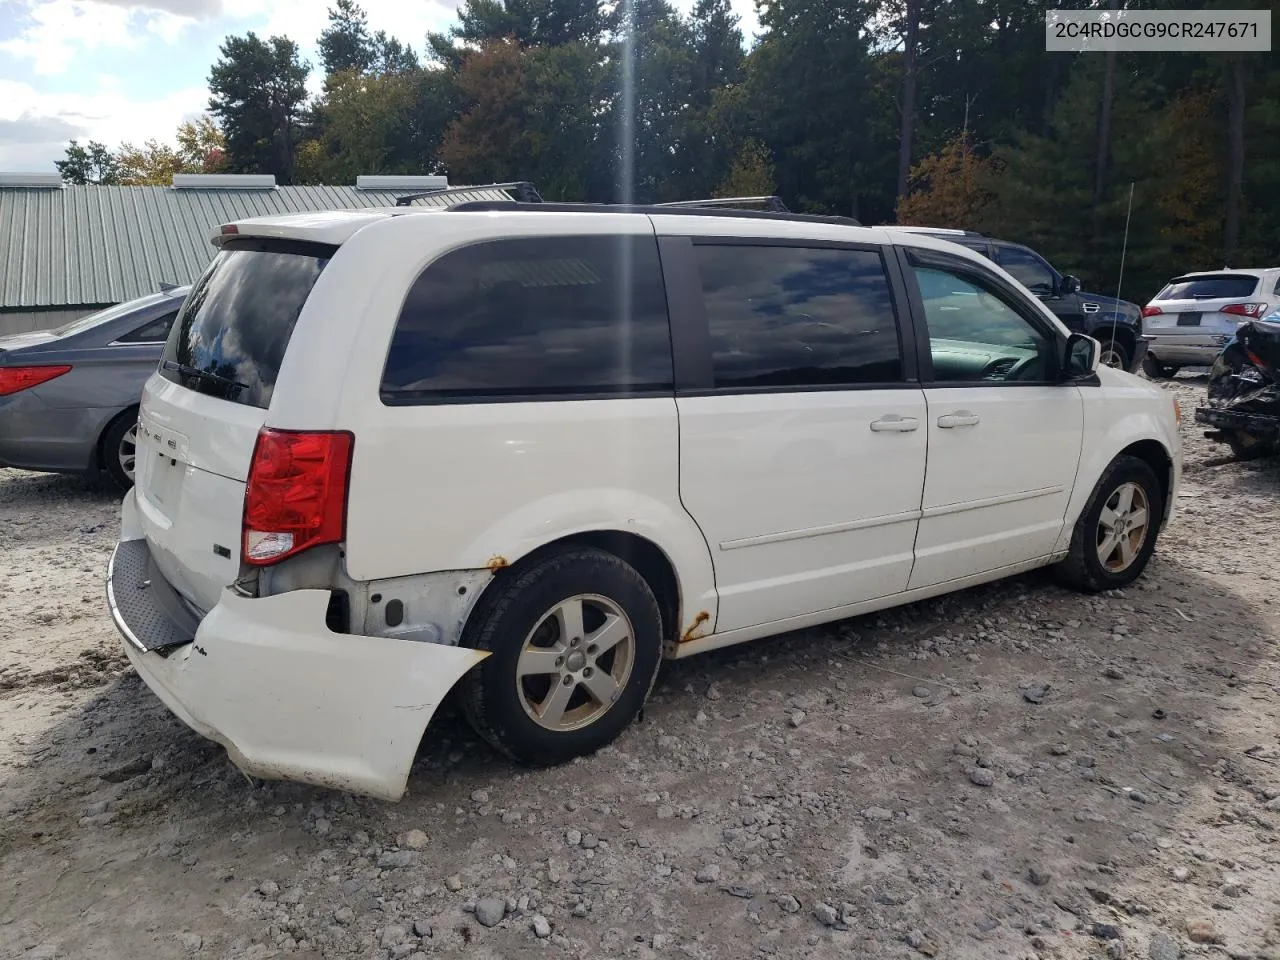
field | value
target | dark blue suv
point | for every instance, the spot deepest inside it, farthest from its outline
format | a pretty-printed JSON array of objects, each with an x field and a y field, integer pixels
[{"x": 1116, "y": 324}]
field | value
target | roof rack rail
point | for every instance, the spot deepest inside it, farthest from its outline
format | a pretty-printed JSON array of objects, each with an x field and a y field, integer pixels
[
  {"x": 774, "y": 203},
  {"x": 490, "y": 206},
  {"x": 938, "y": 231},
  {"x": 521, "y": 190}
]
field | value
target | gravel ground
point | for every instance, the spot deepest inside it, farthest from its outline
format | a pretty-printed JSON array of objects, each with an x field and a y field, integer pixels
[{"x": 1014, "y": 771}]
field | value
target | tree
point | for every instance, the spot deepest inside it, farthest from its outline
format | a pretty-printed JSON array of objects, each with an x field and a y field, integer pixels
[
  {"x": 379, "y": 123},
  {"x": 751, "y": 174},
  {"x": 531, "y": 115},
  {"x": 90, "y": 164},
  {"x": 346, "y": 44},
  {"x": 529, "y": 22},
  {"x": 822, "y": 104},
  {"x": 650, "y": 153},
  {"x": 257, "y": 91},
  {"x": 951, "y": 188},
  {"x": 201, "y": 145},
  {"x": 152, "y": 164}
]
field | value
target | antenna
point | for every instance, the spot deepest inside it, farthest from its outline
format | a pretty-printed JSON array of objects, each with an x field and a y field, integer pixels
[{"x": 1124, "y": 248}]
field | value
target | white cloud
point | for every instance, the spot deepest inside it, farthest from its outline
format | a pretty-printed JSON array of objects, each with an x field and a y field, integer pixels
[
  {"x": 55, "y": 33},
  {"x": 34, "y": 126}
]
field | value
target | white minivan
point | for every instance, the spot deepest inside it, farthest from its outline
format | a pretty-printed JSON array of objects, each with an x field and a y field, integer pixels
[{"x": 530, "y": 450}]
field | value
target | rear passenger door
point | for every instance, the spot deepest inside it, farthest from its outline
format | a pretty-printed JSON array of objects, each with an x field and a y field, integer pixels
[{"x": 802, "y": 440}]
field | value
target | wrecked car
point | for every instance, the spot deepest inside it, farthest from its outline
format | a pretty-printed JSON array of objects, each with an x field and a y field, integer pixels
[
  {"x": 397, "y": 454},
  {"x": 1244, "y": 391}
]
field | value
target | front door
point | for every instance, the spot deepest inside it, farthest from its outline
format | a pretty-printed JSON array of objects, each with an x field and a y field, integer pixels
[
  {"x": 802, "y": 456},
  {"x": 1004, "y": 433}
]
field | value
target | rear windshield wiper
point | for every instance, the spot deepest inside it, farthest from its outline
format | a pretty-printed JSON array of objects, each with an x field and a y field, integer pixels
[{"x": 187, "y": 370}]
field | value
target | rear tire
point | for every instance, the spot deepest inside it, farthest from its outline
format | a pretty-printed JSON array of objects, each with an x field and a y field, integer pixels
[
  {"x": 1111, "y": 543},
  {"x": 1156, "y": 370},
  {"x": 576, "y": 641},
  {"x": 119, "y": 450}
]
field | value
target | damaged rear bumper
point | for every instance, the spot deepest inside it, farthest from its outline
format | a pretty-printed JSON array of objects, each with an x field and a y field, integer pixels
[{"x": 287, "y": 697}]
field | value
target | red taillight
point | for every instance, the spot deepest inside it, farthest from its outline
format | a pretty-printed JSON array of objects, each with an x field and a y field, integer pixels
[
  {"x": 1253, "y": 310},
  {"x": 296, "y": 495},
  {"x": 230, "y": 230},
  {"x": 13, "y": 379},
  {"x": 1151, "y": 311}
]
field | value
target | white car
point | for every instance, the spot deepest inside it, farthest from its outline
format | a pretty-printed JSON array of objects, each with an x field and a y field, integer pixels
[
  {"x": 1192, "y": 318},
  {"x": 531, "y": 450}
]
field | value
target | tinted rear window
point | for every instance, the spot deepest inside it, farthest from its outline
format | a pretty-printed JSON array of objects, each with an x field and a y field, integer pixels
[
  {"x": 1209, "y": 288},
  {"x": 536, "y": 317},
  {"x": 230, "y": 338}
]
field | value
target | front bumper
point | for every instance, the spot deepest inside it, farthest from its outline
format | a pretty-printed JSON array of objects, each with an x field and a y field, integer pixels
[{"x": 288, "y": 698}]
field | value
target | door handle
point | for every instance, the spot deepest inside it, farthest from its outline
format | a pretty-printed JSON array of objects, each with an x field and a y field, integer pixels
[
  {"x": 961, "y": 418},
  {"x": 893, "y": 423}
]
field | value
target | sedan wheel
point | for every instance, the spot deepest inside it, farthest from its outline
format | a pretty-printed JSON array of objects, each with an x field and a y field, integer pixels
[{"x": 128, "y": 452}]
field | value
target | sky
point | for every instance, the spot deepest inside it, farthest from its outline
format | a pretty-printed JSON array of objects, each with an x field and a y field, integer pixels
[{"x": 131, "y": 70}]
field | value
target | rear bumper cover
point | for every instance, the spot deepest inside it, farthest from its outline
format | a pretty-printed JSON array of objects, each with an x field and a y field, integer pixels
[
  {"x": 288, "y": 698},
  {"x": 1197, "y": 348}
]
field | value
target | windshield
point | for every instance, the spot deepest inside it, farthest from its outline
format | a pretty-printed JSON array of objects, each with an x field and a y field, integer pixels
[
  {"x": 1222, "y": 287},
  {"x": 82, "y": 324},
  {"x": 230, "y": 338}
]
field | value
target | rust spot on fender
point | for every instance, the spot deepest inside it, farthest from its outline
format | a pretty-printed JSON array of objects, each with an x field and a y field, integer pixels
[
  {"x": 497, "y": 563},
  {"x": 693, "y": 632}
]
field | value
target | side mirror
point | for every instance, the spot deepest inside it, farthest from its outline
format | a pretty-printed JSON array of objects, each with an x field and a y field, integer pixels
[
  {"x": 1070, "y": 284},
  {"x": 1080, "y": 357}
]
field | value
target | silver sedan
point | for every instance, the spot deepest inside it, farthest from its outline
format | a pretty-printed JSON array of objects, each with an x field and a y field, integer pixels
[{"x": 69, "y": 397}]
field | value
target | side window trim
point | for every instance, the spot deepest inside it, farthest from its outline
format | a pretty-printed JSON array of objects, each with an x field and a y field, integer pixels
[
  {"x": 691, "y": 329},
  {"x": 926, "y": 257}
]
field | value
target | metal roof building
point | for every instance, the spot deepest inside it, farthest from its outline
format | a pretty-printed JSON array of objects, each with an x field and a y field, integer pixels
[{"x": 67, "y": 250}]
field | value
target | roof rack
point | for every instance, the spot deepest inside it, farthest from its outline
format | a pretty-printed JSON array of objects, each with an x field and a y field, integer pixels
[
  {"x": 525, "y": 196},
  {"x": 775, "y": 204},
  {"x": 521, "y": 190},
  {"x": 939, "y": 231},
  {"x": 489, "y": 206}
]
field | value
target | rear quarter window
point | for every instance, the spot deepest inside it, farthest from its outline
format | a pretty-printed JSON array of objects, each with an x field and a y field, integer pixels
[
  {"x": 1223, "y": 287},
  {"x": 234, "y": 327},
  {"x": 533, "y": 317}
]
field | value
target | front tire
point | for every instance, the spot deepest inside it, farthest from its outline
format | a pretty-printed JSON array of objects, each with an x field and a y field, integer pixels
[
  {"x": 576, "y": 641},
  {"x": 1116, "y": 534},
  {"x": 120, "y": 449},
  {"x": 1115, "y": 353}
]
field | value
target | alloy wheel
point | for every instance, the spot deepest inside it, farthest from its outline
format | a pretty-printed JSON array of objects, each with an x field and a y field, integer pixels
[
  {"x": 128, "y": 452},
  {"x": 1122, "y": 527},
  {"x": 575, "y": 663}
]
